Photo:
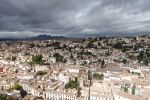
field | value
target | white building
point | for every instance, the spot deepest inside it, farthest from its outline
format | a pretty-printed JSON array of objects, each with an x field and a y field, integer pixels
[
  {"x": 63, "y": 78},
  {"x": 56, "y": 95},
  {"x": 26, "y": 76},
  {"x": 42, "y": 68}
]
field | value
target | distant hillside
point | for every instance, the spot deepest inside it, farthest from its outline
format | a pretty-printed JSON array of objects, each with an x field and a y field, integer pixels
[
  {"x": 46, "y": 37},
  {"x": 85, "y": 35},
  {"x": 74, "y": 36},
  {"x": 9, "y": 39},
  {"x": 39, "y": 37}
]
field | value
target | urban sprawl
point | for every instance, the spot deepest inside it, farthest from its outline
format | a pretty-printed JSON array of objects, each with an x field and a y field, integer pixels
[{"x": 102, "y": 68}]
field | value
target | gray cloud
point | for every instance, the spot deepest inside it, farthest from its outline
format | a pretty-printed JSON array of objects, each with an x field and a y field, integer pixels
[{"x": 73, "y": 16}]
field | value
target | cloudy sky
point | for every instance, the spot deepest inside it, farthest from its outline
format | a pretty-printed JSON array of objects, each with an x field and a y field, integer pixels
[{"x": 62, "y": 17}]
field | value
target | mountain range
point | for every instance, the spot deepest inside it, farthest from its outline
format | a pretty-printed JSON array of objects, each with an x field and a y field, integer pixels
[
  {"x": 39, "y": 37},
  {"x": 46, "y": 37},
  {"x": 74, "y": 36}
]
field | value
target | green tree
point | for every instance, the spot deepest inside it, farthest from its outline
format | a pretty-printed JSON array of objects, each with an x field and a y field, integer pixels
[
  {"x": 59, "y": 58},
  {"x": 141, "y": 56},
  {"x": 23, "y": 93},
  {"x": 118, "y": 45},
  {"x": 13, "y": 58},
  {"x": 125, "y": 89},
  {"x": 72, "y": 84},
  {"x": 37, "y": 59},
  {"x": 133, "y": 89},
  {"x": 103, "y": 62},
  {"x": 2, "y": 97},
  {"x": 124, "y": 61},
  {"x": 41, "y": 73},
  {"x": 146, "y": 62}
]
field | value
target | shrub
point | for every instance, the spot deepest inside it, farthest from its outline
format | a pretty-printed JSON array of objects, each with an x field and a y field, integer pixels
[
  {"x": 72, "y": 84},
  {"x": 16, "y": 87},
  {"x": 98, "y": 76}
]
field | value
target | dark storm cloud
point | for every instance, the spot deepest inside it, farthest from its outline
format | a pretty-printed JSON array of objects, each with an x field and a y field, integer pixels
[{"x": 30, "y": 17}]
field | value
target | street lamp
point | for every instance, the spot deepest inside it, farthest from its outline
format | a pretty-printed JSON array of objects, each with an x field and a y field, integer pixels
[{"x": 89, "y": 78}]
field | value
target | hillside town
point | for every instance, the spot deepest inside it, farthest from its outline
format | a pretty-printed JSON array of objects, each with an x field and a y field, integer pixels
[{"x": 98, "y": 68}]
